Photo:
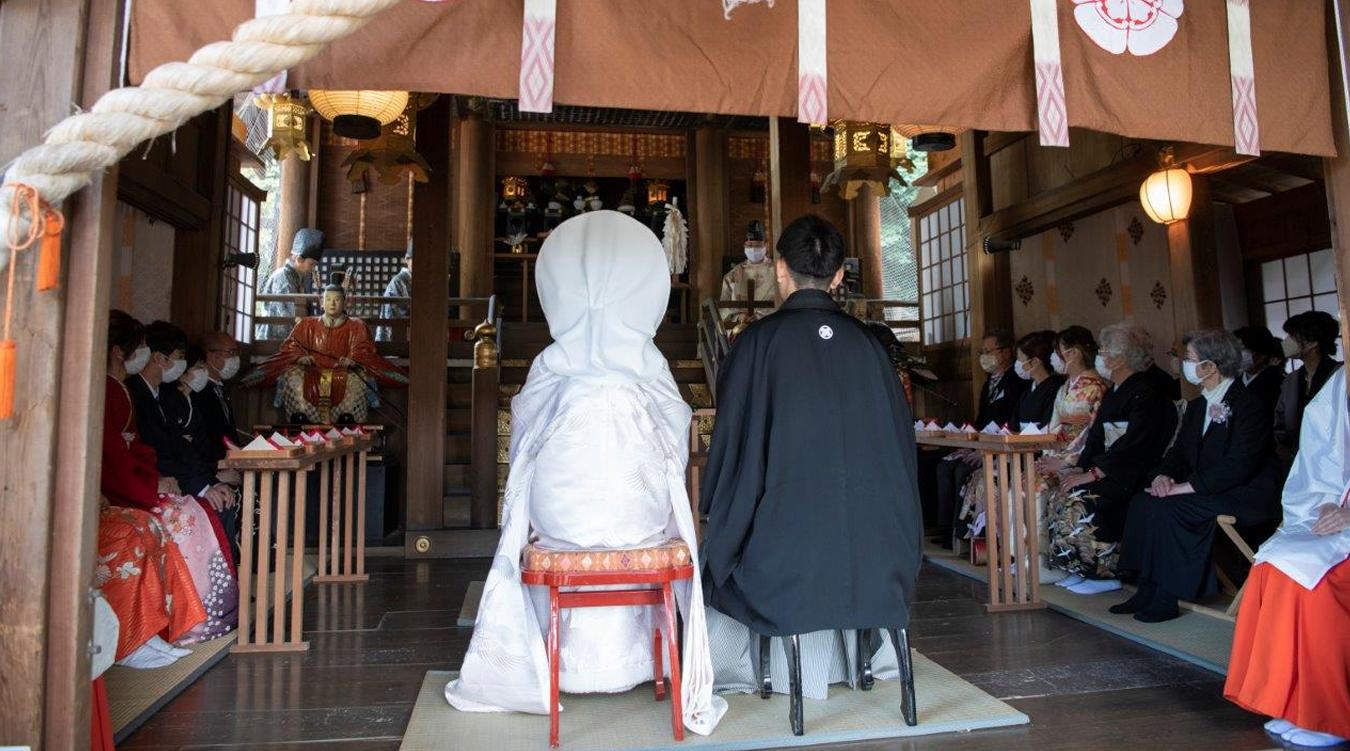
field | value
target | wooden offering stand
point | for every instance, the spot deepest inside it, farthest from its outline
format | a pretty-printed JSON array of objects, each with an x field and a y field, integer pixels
[
  {"x": 274, "y": 483},
  {"x": 1011, "y": 483}
]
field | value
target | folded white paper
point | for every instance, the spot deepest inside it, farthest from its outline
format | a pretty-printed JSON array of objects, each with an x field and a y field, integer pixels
[
  {"x": 1031, "y": 428},
  {"x": 281, "y": 441},
  {"x": 992, "y": 428},
  {"x": 259, "y": 444}
]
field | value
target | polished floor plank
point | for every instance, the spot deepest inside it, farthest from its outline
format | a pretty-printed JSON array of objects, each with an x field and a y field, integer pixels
[{"x": 370, "y": 646}]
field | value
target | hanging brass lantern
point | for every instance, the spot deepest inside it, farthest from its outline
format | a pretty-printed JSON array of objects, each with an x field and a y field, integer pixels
[
  {"x": 287, "y": 123},
  {"x": 864, "y": 154},
  {"x": 392, "y": 156},
  {"x": 658, "y": 192}
]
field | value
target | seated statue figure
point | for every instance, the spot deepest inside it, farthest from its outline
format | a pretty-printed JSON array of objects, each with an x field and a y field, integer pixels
[{"x": 327, "y": 370}]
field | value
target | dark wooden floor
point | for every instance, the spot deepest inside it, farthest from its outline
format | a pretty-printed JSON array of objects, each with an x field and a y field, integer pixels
[{"x": 371, "y": 645}]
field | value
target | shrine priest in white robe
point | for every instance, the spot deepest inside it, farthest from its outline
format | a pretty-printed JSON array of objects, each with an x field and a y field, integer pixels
[{"x": 598, "y": 455}]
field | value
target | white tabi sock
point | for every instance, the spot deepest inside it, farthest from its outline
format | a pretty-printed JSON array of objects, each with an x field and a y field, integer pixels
[
  {"x": 1311, "y": 738},
  {"x": 147, "y": 657},
  {"x": 1071, "y": 580},
  {"x": 1276, "y": 726},
  {"x": 1095, "y": 586},
  {"x": 167, "y": 648}
]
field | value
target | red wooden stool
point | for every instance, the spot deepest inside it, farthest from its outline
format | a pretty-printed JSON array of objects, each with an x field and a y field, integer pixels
[{"x": 660, "y": 564}]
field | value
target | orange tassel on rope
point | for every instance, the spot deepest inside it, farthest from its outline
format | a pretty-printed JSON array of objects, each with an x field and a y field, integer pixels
[
  {"x": 49, "y": 258},
  {"x": 25, "y": 198}
]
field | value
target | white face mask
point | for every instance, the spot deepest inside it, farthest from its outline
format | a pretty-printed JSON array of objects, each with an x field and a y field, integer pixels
[
  {"x": 1247, "y": 360},
  {"x": 1291, "y": 347},
  {"x": 1022, "y": 370},
  {"x": 1101, "y": 366},
  {"x": 175, "y": 369},
  {"x": 1191, "y": 371},
  {"x": 138, "y": 360},
  {"x": 230, "y": 367},
  {"x": 756, "y": 253},
  {"x": 196, "y": 379},
  {"x": 988, "y": 363},
  {"x": 1058, "y": 364}
]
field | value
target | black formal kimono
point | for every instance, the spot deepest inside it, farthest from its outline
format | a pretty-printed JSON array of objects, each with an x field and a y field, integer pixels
[
  {"x": 1233, "y": 470},
  {"x": 1037, "y": 404},
  {"x": 1265, "y": 387},
  {"x": 159, "y": 428},
  {"x": 1149, "y": 420},
  {"x": 1295, "y": 393},
  {"x": 810, "y": 493}
]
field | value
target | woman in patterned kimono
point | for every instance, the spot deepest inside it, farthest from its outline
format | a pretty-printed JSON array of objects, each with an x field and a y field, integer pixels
[
  {"x": 130, "y": 479},
  {"x": 145, "y": 580}
]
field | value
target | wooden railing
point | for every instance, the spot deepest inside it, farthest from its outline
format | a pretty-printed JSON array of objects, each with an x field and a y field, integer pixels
[{"x": 398, "y": 327}]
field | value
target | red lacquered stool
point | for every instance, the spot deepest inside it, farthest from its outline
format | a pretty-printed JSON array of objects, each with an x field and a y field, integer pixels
[{"x": 659, "y": 564}]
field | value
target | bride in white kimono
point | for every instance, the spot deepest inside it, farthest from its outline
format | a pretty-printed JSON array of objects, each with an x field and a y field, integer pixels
[{"x": 598, "y": 455}]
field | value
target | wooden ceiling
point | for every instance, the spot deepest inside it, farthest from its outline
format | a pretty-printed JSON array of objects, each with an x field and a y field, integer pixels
[
  {"x": 1264, "y": 177},
  {"x": 505, "y": 111}
]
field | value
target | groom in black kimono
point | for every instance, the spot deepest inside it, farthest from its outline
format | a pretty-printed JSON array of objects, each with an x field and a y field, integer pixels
[{"x": 811, "y": 496}]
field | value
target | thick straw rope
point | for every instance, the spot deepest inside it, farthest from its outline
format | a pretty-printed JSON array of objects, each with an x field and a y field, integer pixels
[{"x": 84, "y": 144}]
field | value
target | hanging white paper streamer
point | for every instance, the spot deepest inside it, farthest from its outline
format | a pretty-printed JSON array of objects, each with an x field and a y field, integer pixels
[
  {"x": 1242, "y": 72},
  {"x": 536, "y": 56},
  {"x": 812, "y": 85},
  {"x": 1052, "y": 117}
]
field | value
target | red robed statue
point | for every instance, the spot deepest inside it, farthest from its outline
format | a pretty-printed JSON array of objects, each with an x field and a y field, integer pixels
[{"x": 327, "y": 370}]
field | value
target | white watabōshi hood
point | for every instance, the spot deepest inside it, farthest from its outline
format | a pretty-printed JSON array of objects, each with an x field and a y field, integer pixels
[{"x": 604, "y": 285}]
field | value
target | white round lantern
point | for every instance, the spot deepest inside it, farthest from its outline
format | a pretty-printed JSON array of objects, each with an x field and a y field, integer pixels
[
  {"x": 358, "y": 114},
  {"x": 1166, "y": 195}
]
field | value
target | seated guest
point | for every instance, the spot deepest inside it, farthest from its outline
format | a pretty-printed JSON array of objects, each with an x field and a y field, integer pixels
[
  {"x": 598, "y": 453},
  {"x": 130, "y": 478},
  {"x": 1087, "y": 512},
  {"x": 1291, "y": 657},
  {"x": 1035, "y": 409},
  {"x": 1262, "y": 365},
  {"x": 1222, "y": 462},
  {"x": 213, "y": 402},
  {"x": 141, "y": 573},
  {"x": 1311, "y": 339},
  {"x": 810, "y": 484},
  {"x": 999, "y": 399}
]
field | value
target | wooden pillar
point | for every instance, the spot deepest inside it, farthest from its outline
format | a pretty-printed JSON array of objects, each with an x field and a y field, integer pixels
[
  {"x": 1337, "y": 169},
  {"x": 474, "y": 203},
  {"x": 294, "y": 203},
  {"x": 988, "y": 275},
  {"x": 710, "y": 211},
  {"x": 196, "y": 268},
  {"x": 865, "y": 216},
  {"x": 1194, "y": 258},
  {"x": 789, "y": 174},
  {"x": 427, "y": 325}
]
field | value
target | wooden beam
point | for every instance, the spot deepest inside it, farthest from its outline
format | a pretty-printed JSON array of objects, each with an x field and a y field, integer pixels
[
  {"x": 996, "y": 142},
  {"x": 1306, "y": 167},
  {"x": 474, "y": 192},
  {"x": 196, "y": 267},
  {"x": 709, "y": 215},
  {"x": 933, "y": 177},
  {"x": 161, "y": 195},
  {"x": 293, "y": 211},
  {"x": 430, "y": 306},
  {"x": 789, "y": 174},
  {"x": 865, "y": 209},
  {"x": 1194, "y": 258}
]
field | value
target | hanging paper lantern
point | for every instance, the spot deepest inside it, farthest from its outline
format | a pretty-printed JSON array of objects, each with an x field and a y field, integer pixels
[
  {"x": 1166, "y": 194},
  {"x": 287, "y": 126},
  {"x": 862, "y": 156},
  {"x": 929, "y": 137},
  {"x": 358, "y": 114},
  {"x": 393, "y": 155}
]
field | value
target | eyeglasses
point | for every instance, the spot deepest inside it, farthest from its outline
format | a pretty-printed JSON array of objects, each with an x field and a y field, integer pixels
[
  {"x": 230, "y": 352},
  {"x": 995, "y": 349}
]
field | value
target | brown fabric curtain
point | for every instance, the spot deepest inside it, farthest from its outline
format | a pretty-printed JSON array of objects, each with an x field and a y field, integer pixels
[{"x": 956, "y": 62}]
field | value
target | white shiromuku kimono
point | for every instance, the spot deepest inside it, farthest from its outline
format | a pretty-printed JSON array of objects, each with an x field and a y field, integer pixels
[
  {"x": 1318, "y": 477},
  {"x": 598, "y": 456}
]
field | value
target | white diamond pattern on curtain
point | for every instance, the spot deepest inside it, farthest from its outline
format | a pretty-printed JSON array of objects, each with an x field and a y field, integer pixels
[
  {"x": 1246, "y": 128},
  {"x": 536, "y": 56},
  {"x": 812, "y": 84},
  {"x": 1052, "y": 117}
]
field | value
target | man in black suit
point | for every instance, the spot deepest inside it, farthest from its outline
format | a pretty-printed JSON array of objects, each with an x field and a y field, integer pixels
[
  {"x": 999, "y": 397},
  {"x": 1222, "y": 462},
  {"x": 213, "y": 402},
  {"x": 168, "y": 361},
  {"x": 1262, "y": 365}
]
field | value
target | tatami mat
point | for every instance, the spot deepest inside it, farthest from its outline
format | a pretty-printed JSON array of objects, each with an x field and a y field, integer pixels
[
  {"x": 135, "y": 695},
  {"x": 1195, "y": 637},
  {"x": 629, "y": 721},
  {"x": 468, "y": 612}
]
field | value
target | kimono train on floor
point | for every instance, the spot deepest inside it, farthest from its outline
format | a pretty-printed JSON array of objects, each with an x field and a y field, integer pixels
[{"x": 598, "y": 455}]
